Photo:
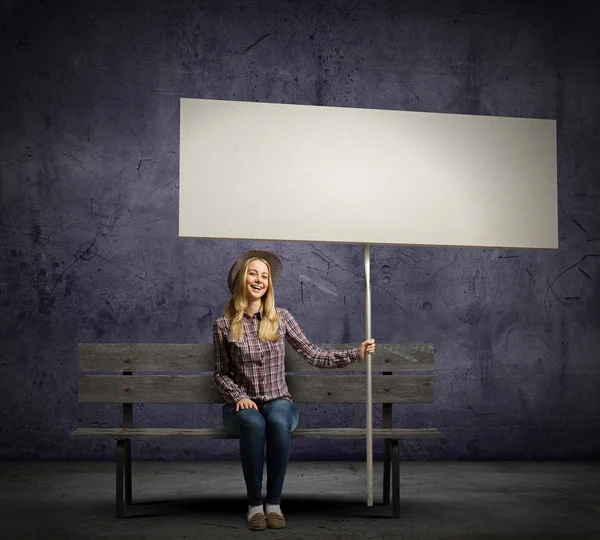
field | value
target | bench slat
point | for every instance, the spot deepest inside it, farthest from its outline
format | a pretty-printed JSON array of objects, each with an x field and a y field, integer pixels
[
  {"x": 215, "y": 433},
  {"x": 198, "y": 357},
  {"x": 303, "y": 388}
]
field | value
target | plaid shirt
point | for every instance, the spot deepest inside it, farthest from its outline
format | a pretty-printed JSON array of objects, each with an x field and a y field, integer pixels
[{"x": 255, "y": 369}]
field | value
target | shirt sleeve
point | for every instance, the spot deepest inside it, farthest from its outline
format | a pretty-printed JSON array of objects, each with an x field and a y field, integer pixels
[
  {"x": 314, "y": 355},
  {"x": 230, "y": 391}
]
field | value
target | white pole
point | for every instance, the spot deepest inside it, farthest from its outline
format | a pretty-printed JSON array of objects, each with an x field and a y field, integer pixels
[{"x": 369, "y": 381}]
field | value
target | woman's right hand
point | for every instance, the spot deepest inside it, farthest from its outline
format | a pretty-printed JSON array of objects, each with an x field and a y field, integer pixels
[{"x": 245, "y": 403}]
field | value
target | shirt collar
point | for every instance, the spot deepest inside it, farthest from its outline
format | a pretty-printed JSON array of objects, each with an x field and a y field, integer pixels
[{"x": 258, "y": 314}]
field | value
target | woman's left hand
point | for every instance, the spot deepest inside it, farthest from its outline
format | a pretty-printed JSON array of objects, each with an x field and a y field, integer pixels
[{"x": 366, "y": 347}]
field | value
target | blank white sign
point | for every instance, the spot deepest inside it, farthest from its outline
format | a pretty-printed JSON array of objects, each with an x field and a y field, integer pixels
[{"x": 264, "y": 171}]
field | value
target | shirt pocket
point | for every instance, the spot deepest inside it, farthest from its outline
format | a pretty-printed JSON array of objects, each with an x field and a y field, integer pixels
[
  {"x": 275, "y": 349},
  {"x": 250, "y": 351}
]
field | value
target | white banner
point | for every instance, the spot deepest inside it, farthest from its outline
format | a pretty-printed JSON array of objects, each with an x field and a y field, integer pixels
[{"x": 263, "y": 171}]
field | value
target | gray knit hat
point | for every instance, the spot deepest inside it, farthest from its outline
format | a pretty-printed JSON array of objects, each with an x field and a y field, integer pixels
[{"x": 272, "y": 259}]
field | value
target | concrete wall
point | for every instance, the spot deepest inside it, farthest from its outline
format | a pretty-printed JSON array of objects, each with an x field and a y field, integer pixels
[{"x": 89, "y": 194}]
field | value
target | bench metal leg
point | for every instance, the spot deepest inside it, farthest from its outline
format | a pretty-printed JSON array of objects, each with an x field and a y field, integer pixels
[
  {"x": 386, "y": 471},
  {"x": 127, "y": 469},
  {"x": 395, "y": 480},
  {"x": 119, "y": 486}
]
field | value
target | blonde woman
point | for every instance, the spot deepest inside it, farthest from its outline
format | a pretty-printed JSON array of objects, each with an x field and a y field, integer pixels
[{"x": 249, "y": 349}]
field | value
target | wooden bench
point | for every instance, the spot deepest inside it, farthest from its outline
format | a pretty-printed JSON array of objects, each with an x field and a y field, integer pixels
[{"x": 401, "y": 374}]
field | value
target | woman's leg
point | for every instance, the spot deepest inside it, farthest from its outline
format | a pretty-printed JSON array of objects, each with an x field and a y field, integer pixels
[
  {"x": 249, "y": 426},
  {"x": 281, "y": 418}
]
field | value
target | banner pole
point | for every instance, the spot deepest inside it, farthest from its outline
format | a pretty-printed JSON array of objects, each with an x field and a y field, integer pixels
[{"x": 369, "y": 412}]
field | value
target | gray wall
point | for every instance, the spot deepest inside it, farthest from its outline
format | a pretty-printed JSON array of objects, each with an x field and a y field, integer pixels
[{"x": 89, "y": 195}]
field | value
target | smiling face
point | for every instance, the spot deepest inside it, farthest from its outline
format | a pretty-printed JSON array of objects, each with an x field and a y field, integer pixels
[{"x": 257, "y": 280}]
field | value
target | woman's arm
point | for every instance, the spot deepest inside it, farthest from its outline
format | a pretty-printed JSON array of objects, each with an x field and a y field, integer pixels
[
  {"x": 230, "y": 391},
  {"x": 312, "y": 354}
]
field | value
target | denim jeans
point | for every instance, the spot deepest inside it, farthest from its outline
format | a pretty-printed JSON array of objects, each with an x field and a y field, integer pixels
[{"x": 273, "y": 424}]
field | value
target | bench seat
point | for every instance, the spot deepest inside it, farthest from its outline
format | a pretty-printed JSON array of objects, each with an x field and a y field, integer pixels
[{"x": 218, "y": 433}]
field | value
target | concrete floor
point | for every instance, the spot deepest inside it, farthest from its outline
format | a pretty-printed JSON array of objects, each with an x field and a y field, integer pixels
[{"x": 439, "y": 500}]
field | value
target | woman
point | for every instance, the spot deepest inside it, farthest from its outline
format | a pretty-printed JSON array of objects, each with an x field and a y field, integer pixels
[{"x": 250, "y": 374}]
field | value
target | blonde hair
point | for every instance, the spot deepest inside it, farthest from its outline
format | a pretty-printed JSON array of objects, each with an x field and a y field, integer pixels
[{"x": 235, "y": 308}]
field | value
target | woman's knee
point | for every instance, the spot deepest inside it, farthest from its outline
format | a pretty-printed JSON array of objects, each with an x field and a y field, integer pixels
[
  {"x": 248, "y": 420},
  {"x": 282, "y": 416},
  {"x": 251, "y": 420}
]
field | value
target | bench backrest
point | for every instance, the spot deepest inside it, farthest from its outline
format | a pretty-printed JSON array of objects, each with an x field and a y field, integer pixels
[{"x": 182, "y": 373}]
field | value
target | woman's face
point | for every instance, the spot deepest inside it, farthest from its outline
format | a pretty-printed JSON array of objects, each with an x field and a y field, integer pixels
[{"x": 257, "y": 280}]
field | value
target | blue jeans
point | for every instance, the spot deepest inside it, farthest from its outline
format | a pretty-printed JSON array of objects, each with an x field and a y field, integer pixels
[{"x": 274, "y": 425}]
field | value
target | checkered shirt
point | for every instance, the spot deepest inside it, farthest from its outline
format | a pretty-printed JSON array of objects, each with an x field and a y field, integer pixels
[{"x": 255, "y": 369}]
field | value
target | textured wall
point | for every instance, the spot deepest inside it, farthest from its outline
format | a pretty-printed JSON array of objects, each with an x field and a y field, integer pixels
[{"x": 89, "y": 249}]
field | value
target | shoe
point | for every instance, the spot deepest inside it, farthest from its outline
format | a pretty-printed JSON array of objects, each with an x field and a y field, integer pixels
[
  {"x": 257, "y": 522},
  {"x": 275, "y": 520}
]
